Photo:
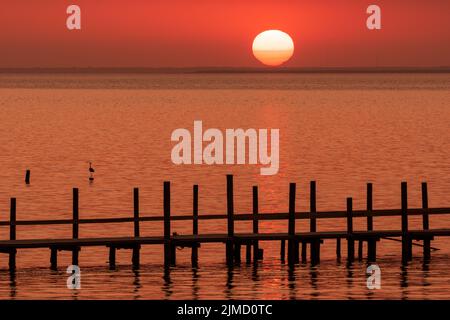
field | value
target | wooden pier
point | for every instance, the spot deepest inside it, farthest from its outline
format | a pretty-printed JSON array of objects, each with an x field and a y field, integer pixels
[{"x": 297, "y": 242}]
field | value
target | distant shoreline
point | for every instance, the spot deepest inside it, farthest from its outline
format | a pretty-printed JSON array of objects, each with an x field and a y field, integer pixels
[{"x": 225, "y": 70}]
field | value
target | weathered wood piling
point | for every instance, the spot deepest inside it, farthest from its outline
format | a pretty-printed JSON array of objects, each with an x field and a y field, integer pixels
[
  {"x": 194, "y": 250},
  {"x": 292, "y": 245},
  {"x": 168, "y": 259},
  {"x": 350, "y": 239},
  {"x": 27, "y": 176}
]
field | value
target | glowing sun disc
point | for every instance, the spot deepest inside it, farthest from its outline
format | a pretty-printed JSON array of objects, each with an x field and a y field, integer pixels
[{"x": 273, "y": 47}]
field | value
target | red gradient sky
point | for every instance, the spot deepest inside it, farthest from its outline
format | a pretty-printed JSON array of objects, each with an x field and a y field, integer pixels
[{"x": 200, "y": 33}]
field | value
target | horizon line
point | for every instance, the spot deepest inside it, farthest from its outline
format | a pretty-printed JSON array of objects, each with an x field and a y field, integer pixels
[{"x": 219, "y": 69}]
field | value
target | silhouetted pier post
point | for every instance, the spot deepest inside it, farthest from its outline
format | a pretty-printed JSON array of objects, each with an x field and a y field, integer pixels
[
  {"x": 12, "y": 234},
  {"x": 230, "y": 220},
  {"x": 283, "y": 251},
  {"x": 194, "y": 249},
  {"x": 372, "y": 242},
  {"x": 315, "y": 243},
  {"x": 369, "y": 206},
  {"x": 350, "y": 240},
  {"x": 360, "y": 249},
  {"x": 237, "y": 251},
  {"x": 248, "y": 253},
  {"x": 112, "y": 257},
  {"x": 27, "y": 176},
  {"x": 53, "y": 258},
  {"x": 304, "y": 249},
  {"x": 256, "y": 253},
  {"x": 292, "y": 255},
  {"x": 406, "y": 240},
  {"x": 425, "y": 222},
  {"x": 338, "y": 248},
  {"x": 167, "y": 241},
  {"x": 75, "y": 225},
  {"x": 136, "y": 248}
]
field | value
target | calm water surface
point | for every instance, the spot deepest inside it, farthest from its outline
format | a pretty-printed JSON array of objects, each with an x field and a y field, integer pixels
[{"x": 340, "y": 130}]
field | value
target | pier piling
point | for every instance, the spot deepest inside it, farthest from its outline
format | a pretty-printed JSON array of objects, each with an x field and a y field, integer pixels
[
  {"x": 53, "y": 258},
  {"x": 350, "y": 240},
  {"x": 426, "y": 223},
  {"x": 291, "y": 226},
  {"x": 406, "y": 240},
  {"x": 27, "y": 176},
  {"x": 230, "y": 221},
  {"x": 338, "y": 248},
  {"x": 256, "y": 255},
  {"x": 12, "y": 234},
  {"x": 112, "y": 257},
  {"x": 282, "y": 251},
  {"x": 75, "y": 225},
  {"x": 315, "y": 243},
  {"x": 194, "y": 249},
  {"x": 304, "y": 249},
  {"x": 167, "y": 241},
  {"x": 137, "y": 248}
]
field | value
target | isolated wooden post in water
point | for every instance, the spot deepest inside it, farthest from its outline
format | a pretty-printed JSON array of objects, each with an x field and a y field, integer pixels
[
  {"x": 27, "y": 176},
  {"x": 230, "y": 220},
  {"x": 406, "y": 241},
  {"x": 425, "y": 222},
  {"x": 194, "y": 250},
  {"x": 256, "y": 255},
  {"x": 167, "y": 242},
  {"x": 75, "y": 226},
  {"x": 291, "y": 225},
  {"x": 136, "y": 249},
  {"x": 12, "y": 234},
  {"x": 350, "y": 240}
]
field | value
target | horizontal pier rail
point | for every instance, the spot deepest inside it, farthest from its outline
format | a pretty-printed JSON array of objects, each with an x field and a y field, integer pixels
[{"x": 233, "y": 241}]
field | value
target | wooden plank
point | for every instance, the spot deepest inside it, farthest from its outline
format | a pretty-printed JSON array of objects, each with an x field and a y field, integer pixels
[
  {"x": 131, "y": 241},
  {"x": 238, "y": 217}
]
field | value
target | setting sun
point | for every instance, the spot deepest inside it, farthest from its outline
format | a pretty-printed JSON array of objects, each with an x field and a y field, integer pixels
[{"x": 273, "y": 47}]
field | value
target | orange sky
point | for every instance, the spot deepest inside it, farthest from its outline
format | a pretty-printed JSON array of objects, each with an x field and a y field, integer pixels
[{"x": 181, "y": 33}]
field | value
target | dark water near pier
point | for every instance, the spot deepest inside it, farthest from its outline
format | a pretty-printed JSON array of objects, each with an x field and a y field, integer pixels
[{"x": 340, "y": 130}]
